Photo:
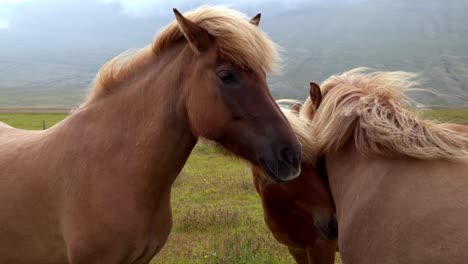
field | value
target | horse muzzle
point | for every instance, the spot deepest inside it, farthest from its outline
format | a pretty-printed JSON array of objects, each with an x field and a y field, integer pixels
[
  {"x": 327, "y": 227},
  {"x": 282, "y": 167}
]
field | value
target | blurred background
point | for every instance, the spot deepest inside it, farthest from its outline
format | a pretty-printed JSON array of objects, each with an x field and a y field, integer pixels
[{"x": 50, "y": 50}]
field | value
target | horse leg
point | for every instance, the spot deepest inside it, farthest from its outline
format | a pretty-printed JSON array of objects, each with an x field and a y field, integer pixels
[{"x": 299, "y": 255}]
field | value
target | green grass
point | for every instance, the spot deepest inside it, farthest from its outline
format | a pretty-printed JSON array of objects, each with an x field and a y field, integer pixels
[
  {"x": 459, "y": 116},
  {"x": 217, "y": 213},
  {"x": 31, "y": 121}
]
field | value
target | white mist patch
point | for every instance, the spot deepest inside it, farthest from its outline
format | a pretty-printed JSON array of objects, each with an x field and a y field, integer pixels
[
  {"x": 12, "y": 1},
  {"x": 146, "y": 8},
  {"x": 4, "y": 24}
]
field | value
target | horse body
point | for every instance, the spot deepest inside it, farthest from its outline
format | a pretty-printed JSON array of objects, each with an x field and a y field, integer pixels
[
  {"x": 96, "y": 197},
  {"x": 399, "y": 183},
  {"x": 399, "y": 210},
  {"x": 27, "y": 212},
  {"x": 95, "y": 188}
]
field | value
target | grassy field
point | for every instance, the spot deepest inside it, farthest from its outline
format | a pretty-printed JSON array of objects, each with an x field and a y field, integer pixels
[
  {"x": 31, "y": 120},
  {"x": 217, "y": 213},
  {"x": 459, "y": 116}
]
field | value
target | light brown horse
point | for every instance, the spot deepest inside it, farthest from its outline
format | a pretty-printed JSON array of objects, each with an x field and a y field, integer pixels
[
  {"x": 96, "y": 187},
  {"x": 399, "y": 183},
  {"x": 300, "y": 213}
]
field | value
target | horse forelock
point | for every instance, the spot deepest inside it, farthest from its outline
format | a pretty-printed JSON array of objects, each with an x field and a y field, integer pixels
[
  {"x": 237, "y": 39},
  {"x": 373, "y": 109}
]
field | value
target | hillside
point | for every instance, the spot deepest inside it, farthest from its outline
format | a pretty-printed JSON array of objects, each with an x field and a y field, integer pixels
[{"x": 428, "y": 37}]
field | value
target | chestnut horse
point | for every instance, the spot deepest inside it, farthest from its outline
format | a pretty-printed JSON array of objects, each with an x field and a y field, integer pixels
[
  {"x": 399, "y": 183},
  {"x": 96, "y": 187},
  {"x": 300, "y": 213}
]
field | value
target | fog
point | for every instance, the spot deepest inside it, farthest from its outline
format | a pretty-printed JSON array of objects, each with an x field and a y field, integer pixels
[{"x": 54, "y": 48}]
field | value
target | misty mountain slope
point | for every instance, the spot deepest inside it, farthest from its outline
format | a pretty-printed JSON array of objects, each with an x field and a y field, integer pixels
[{"x": 430, "y": 37}]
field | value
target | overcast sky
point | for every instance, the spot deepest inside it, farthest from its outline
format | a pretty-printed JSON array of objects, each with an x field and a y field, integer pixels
[
  {"x": 62, "y": 43},
  {"x": 14, "y": 12},
  {"x": 29, "y": 26}
]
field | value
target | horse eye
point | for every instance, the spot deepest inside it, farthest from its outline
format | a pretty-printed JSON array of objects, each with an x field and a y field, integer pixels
[{"x": 226, "y": 76}]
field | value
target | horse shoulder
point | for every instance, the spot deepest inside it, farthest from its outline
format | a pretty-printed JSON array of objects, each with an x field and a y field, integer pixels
[{"x": 408, "y": 206}]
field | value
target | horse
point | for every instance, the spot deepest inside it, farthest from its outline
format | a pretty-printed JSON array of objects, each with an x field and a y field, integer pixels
[
  {"x": 300, "y": 213},
  {"x": 399, "y": 182},
  {"x": 95, "y": 188}
]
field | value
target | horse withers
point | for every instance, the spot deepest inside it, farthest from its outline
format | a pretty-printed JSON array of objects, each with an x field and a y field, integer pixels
[{"x": 96, "y": 187}]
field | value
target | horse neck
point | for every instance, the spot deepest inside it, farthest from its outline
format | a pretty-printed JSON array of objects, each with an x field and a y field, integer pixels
[
  {"x": 345, "y": 175},
  {"x": 144, "y": 123},
  {"x": 355, "y": 178}
]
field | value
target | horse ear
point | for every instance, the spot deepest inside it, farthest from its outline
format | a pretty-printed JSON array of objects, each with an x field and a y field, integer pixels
[
  {"x": 296, "y": 108},
  {"x": 315, "y": 94},
  {"x": 197, "y": 37},
  {"x": 256, "y": 19}
]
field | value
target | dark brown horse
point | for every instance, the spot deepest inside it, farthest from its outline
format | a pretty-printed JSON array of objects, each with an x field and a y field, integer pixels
[
  {"x": 300, "y": 213},
  {"x": 96, "y": 187}
]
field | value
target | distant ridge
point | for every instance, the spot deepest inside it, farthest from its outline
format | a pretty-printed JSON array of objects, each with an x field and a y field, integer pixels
[{"x": 55, "y": 69}]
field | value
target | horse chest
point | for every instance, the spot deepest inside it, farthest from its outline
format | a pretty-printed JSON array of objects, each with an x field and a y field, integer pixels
[
  {"x": 125, "y": 233},
  {"x": 287, "y": 226}
]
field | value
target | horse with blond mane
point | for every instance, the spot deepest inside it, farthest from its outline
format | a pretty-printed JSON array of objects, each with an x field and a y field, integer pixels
[
  {"x": 96, "y": 187},
  {"x": 399, "y": 183}
]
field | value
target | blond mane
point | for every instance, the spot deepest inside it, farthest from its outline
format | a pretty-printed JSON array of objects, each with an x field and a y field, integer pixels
[
  {"x": 372, "y": 108},
  {"x": 302, "y": 127},
  {"x": 237, "y": 40}
]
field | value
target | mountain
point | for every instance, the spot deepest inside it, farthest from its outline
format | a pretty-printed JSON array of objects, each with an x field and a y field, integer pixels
[
  {"x": 55, "y": 67},
  {"x": 427, "y": 37}
]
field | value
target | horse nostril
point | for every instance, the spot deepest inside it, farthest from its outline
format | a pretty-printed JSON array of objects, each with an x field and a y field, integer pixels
[
  {"x": 333, "y": 228},
  {"x": 287, "y": 156},
  {"x": 295, "y": 162}
]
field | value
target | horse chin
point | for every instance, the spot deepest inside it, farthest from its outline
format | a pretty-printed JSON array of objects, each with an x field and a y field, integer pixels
[{"x": 327, "y": 227}]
